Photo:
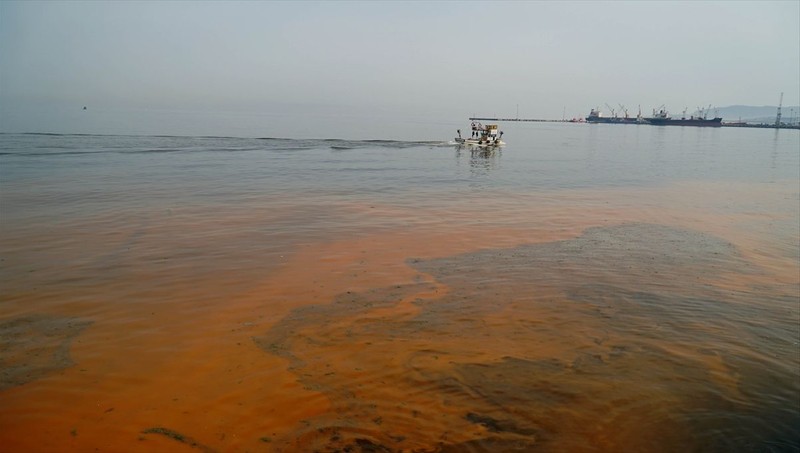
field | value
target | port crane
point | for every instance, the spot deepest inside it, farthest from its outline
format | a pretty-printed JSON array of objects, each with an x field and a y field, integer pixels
[
  {"x": 659, "y": 109},
  {"x": 703, "y": 112}
]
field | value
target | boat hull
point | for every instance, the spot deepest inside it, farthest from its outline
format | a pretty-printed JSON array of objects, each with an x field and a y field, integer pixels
[{"x": 479, "y": 143}]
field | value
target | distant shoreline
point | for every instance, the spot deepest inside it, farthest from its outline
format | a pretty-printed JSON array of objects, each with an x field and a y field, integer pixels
[{"x": 534, "y": 120}]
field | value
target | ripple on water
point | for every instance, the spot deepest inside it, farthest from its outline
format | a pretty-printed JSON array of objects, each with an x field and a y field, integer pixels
[{"x": 625, "y": 338}]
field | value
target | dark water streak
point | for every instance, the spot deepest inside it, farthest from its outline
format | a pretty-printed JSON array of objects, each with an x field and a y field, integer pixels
[{"x": 653, "y": 326}]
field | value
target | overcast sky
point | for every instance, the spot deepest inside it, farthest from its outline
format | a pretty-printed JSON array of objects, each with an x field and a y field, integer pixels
[{"x": 443, "y": 58}]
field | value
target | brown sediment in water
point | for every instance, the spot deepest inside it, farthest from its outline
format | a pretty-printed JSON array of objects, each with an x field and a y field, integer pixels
[
  {"x": 178, "y": 437},
  {"x": 498, "y": 350},
  {"x": 507, "y": 322}
]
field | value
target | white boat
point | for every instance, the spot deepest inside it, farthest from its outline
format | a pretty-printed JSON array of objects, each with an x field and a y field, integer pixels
[{"x": 482, "y": 136}]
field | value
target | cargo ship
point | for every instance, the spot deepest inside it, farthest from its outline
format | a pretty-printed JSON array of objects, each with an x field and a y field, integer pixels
[
  {"x": 596, "y": 116},
  {"x": 662, "y": 118}
]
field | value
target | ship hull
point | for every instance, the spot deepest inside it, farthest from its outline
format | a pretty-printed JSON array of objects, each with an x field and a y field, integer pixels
[
  {"x": 716, "y": 122},
  {"x": 610, "y": 120}
]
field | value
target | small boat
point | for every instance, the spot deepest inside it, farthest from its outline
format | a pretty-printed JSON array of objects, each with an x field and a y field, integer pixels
[{"x": 483, "y": 136}]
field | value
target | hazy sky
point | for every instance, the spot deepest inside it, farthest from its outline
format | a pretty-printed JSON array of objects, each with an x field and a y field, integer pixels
[{"x": 436, "y": 58}]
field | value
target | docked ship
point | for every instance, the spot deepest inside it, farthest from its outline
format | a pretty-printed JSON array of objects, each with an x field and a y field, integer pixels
[
  {"x": 662, "y": 118},
  {"x": 596, "y": 116}
]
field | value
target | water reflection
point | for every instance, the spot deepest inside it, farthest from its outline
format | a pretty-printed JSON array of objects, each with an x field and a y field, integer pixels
[
  {"x": 481, "y": 160},
  {"x": 774, "y": 151}
]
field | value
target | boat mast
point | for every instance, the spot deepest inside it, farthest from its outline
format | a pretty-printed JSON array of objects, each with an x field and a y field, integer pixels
[{"x": 778, "y": 118}]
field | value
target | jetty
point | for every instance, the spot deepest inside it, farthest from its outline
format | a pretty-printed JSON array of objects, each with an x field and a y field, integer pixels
[{"x": 764, "y": 125}]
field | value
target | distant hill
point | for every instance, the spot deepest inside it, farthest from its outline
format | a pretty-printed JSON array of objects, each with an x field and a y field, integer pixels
[{"x": 756, "y": 114}]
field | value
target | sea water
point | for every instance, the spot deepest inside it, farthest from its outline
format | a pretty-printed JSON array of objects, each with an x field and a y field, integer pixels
[{"x": 584, "y": 288}]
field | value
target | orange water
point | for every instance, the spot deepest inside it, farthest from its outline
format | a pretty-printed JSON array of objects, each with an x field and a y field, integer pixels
[{"x": 498, "y": 321}]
